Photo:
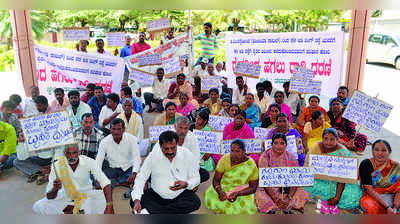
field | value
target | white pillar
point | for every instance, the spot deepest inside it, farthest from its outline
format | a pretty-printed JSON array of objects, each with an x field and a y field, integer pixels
[{"x": 23, "y": 47}]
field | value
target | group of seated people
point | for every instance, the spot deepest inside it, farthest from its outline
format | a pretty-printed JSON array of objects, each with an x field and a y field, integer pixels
[{"x": 108, "y": 130}]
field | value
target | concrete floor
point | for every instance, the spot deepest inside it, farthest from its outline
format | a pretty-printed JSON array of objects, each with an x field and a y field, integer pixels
[{"x": 18, "y": 196}]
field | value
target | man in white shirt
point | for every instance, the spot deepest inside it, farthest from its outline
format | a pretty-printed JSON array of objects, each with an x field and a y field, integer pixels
[
  {"x": 100, "y": 48},
  {"x": 174, "y": 174},
  {"x": 69, "y": 177},
  {"x": 269, "y": 90},
  {"x": 110, "y": 111},
  {"x": 199, "y": 70},
  {"x": 76, "y": 109},
  {"x": 239, "y": 94},
  {"x": 292, "y": 100},
  {"x": 160, "y": 91},
  {"x": 29, "y": 106},
  {"x": 262, "y": 100},
  {"x": 219, "y": 71},
  {"x": 122, "y": 154}
]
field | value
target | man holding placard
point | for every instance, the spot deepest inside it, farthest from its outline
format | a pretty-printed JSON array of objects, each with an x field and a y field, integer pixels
[
  {"x": 160, "y": 91},
  {"x": 42, "y": 105},
  {"x": 69, "y": 191}
]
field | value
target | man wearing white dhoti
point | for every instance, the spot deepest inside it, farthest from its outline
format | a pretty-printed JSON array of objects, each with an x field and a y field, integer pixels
[{"x": 70, "y": 190}]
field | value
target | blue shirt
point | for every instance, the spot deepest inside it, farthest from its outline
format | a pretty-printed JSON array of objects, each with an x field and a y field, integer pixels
[
  {"x": 96, "y": 108},
  {"x": 125, "y": 51}
]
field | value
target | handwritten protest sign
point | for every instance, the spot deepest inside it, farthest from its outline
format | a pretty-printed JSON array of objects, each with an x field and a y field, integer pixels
[
  {"x": 291, "y": 144},
  {"x": 218, "y": 123},
  {"x": 208, "y": 141},
  {"x": 172, "y": 67},
  {"x": 149, "y": 59},
  {"x": 261, "y": 133},
  {"x": 252, "y": 146},
  {"x": 71, "y": 70},
  {"x": 286, "y": 177},
  {"x": 76, "y": 33},
  {"x": 335, "y": 168},
  {"x": 157, "y": 25},
  {"x": 141, "y": 77},
  {"x": 155, "y": 131},
  {"x": 208, "y": 83},
  {"x": 177, "y": 47},
  {"x": 47, "y": 130},
  {"x": 248, "y": 70},
  {"x": 367, "y": 111},
  {"x": 303, "y": 73},
  {"x": 115, "y": 39}
]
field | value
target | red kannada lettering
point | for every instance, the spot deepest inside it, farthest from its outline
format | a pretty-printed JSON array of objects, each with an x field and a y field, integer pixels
[
  {"x": 322, "y": 68},
  {"x": 274, "y": 66},
  {"x": 107, "y": 85},
  {"x": 40, "y": 76},
  {"x": 295, "y": 64}
]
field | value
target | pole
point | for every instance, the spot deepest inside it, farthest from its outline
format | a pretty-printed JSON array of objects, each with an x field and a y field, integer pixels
[{"x": 52, "y": 162}]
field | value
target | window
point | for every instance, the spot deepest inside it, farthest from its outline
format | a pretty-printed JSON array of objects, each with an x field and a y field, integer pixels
[
  {"x": 389, "y": 41},
  {"x": 376, "y": 38}
]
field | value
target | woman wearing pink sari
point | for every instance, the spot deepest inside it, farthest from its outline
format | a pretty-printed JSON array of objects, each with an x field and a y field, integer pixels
[
  {"x": 238, "y": 129},
  {"x": 185, "y": 107}
]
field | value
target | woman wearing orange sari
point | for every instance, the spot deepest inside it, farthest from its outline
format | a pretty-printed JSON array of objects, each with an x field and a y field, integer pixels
[
  {"x": 380, "y": 179},
  {"x": 305, "y": 115}
]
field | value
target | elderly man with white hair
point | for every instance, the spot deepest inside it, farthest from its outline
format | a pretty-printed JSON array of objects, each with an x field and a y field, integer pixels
[{"x": 69, "y": 190}]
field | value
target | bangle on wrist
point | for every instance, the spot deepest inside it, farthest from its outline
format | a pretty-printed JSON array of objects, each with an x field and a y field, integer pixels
[
  {"x": 216, "y": 187},
  {"x": 109, "y": 203}
]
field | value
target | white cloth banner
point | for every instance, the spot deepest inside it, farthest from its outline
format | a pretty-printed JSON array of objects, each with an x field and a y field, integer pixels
[
  {"x": 279, "y": 54},
  {"x": 68, "y": 69}
]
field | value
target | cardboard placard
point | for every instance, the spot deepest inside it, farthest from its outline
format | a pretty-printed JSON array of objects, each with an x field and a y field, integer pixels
[
  {"x": 115, "y": 39},
  {"x": 76, "y": 33},
  {"x": 172, "y": 67},
  {"x": 261, "y": 133},
  {"x": 155, "y": 131},
  {"x": 252, "y": 146},
  {"x": 208, "y": 83},
  {"x": 218, "y": 123},
  {"x": 141, "y": 77},
  {"x": 47, "y": 130},
  {"x": 291, "y": 144},
  {"x": 158, "y": 25},
  {"x": 149, "y": 59},
  {"x": 335, "y": 168},
  {"x": 286, "y": 177},
  {"x": 367, "y": 111},
  {"x": 248, "y": 70},
  {"x": 208, "y": 141}
]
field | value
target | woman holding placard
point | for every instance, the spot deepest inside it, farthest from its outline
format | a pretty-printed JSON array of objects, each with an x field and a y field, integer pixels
[
  {"x": 306, "y": 113},
  {"x": 269, "y": 118},
  {"x": 313, "y": 130},
  {"x": 269, "y": 199},
  {"x": 380, "y": 179},
  {"x": 238, "y": 129},
  {"x": 178, "y": 87},
  {"x": 185, "y": 107},
  {"x": 234, "y": 183},
  {"x": 346, "y": 129},
  {"x": 169, "y": 116},
  {"x": 253, "y": 111},
  {"x": 283, "y": 126},
  {"x": 346, "y": 196}
]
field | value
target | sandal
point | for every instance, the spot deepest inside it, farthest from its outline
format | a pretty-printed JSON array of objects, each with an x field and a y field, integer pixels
[
  {"x": 32, "y": 178},
  {"x": 41, "y": 180}
]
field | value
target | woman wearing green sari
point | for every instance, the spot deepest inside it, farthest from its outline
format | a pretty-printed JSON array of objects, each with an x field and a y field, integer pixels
[
  {"x": 234, "y": 183},
  {"x": 201, "y": 124},
  {"x": 169, "y": 116},
  {"x": 312, "y": 133},
  {"x": 345, "y": 196}
]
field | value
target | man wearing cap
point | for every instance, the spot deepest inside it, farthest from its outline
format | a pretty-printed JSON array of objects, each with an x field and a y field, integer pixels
[
  {"x": 124, "y": 52},
  {"x": 141, "y": 45},
  {"x": 200, "y": 70}
]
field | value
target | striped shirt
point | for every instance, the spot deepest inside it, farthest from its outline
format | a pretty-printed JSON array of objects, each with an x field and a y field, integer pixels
[{"x": 208, "y": 45}]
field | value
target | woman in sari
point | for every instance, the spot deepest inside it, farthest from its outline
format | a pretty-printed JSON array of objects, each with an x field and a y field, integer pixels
[
  {"x": 178, "y": 87},
  {"x": 185, "y": 107},
  {"x": 269, "y": 118},
  {"x": 233, "y": 109},
  {"x": 313, "y": 130},
  {"x": 269, "y": 199},
  {"x": 169, "y": 116},
  {"x": 345, "y": 196},
  {"x": 226, "y": 103},
  {"x": 346, "y": 129},
  {"x": 238, "y": 129},
  {"x": 234, "y": 183},
  {"x": 279, "y": 99},
  {"x": 380, "y": 181},
  {"x": 253, "y": 111},
  {"x": 283, "y": 126},
  {"x": 305, "y": 114},
  {"x": 206, "y": 161}
]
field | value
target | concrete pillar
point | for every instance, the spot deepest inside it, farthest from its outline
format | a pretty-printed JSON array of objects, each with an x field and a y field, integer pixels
[
  {"x": 23, "y": 47},
  {"x": 357, "y": 49}
]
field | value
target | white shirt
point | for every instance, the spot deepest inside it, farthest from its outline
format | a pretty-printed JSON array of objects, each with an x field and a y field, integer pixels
[
  {"x": 238, "y": 97},
  {"x": 81, "y": 177},
  {"x": 106, "y": 113},
  {"x": 222, "y": 73},
  {"x": 122, "y": 155},
  {"x": 272, "y": 94},
  {"x": 164, "y": 173},
  {"x": 160, "y": 89},
  {"x": 198, "y": 71},
  {"x": 104, "y": 52},
  {"x": 264, "y": 103},
  {"x": 292, "y": 101},
  {"x": 29, "y": 108}
]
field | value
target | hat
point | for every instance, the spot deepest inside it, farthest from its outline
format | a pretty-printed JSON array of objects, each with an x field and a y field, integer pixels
[{"x": 204, "y": 60}]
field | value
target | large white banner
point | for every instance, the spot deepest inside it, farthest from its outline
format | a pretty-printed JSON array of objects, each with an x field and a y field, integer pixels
[
  {"x": 279, "y": 53},
  {"x": 70, "y": 69}
]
